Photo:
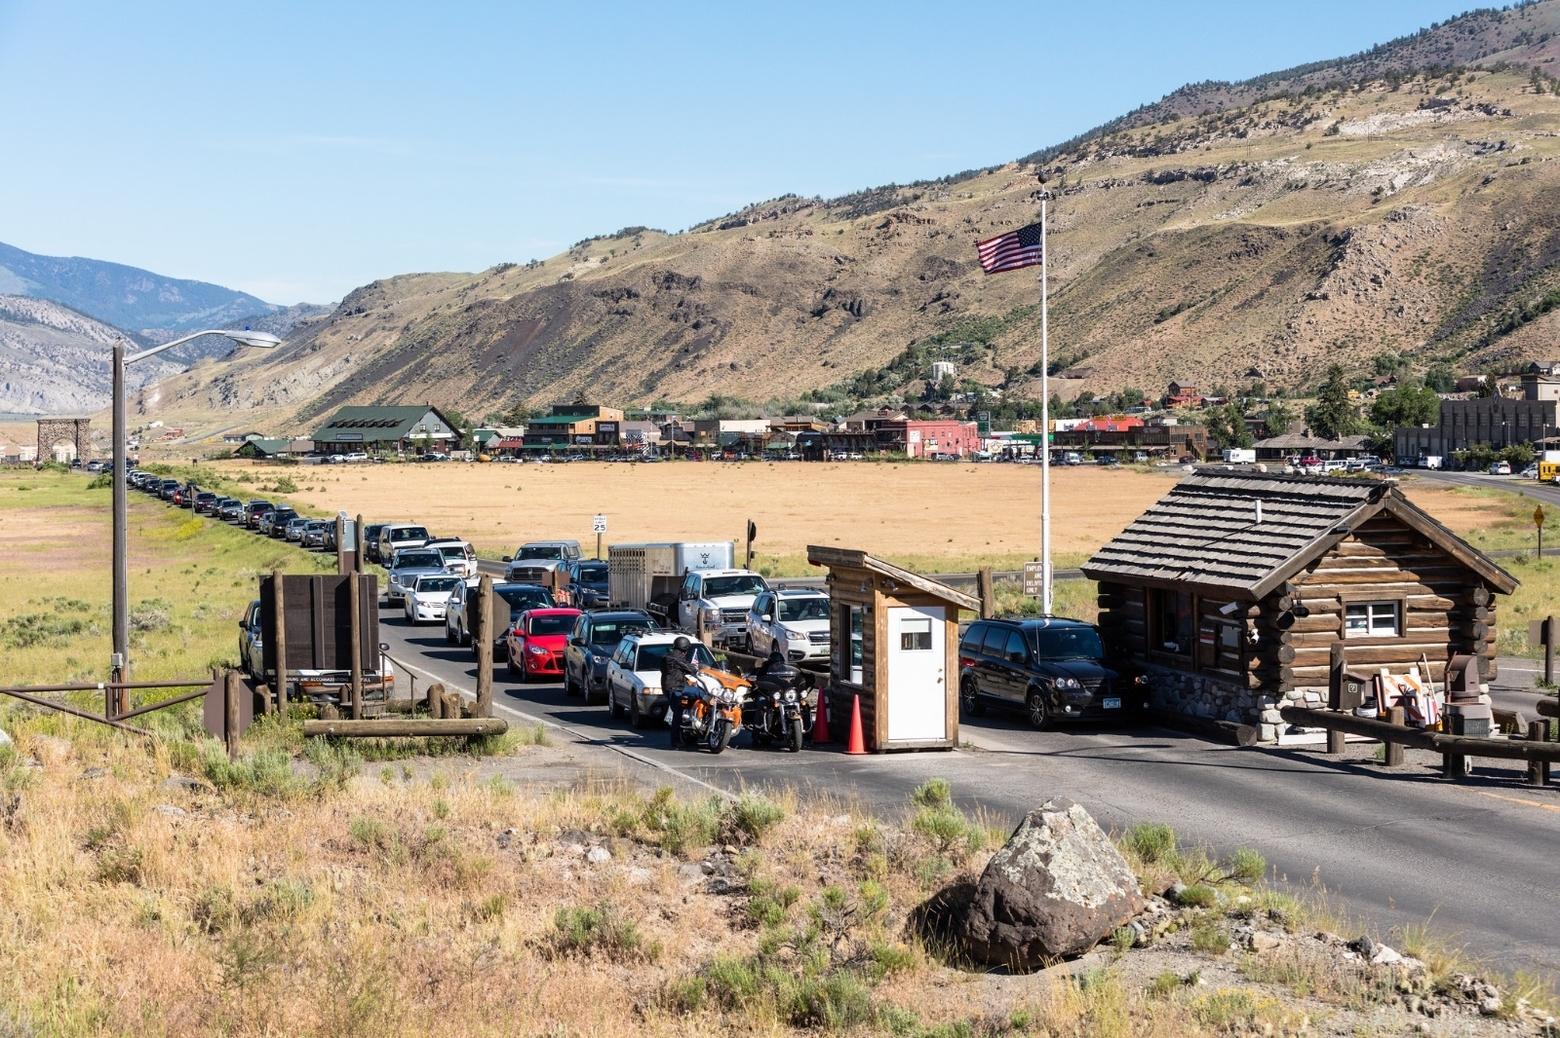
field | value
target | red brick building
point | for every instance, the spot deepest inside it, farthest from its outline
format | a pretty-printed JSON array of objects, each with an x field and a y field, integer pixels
[{"x": 923, "y": 439}]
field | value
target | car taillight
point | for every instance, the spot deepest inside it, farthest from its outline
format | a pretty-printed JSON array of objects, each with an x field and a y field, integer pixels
[{"x": 965, "y": 661}]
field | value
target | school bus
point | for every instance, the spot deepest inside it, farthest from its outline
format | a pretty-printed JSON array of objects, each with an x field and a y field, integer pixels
[{"x": 1548, "y": 470}]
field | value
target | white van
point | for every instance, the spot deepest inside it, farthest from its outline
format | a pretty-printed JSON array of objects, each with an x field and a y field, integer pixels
[{"x": 395, "y": 536}]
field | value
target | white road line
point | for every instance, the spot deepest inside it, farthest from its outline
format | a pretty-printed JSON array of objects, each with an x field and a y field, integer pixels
[{"x": 548, "y": 722}]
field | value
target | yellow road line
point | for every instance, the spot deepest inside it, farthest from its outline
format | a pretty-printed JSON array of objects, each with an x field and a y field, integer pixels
[{"x": 1516, "y": 800}]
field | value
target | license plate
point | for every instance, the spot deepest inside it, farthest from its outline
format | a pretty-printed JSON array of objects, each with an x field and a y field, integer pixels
[{"x": 1113, "y": 703}]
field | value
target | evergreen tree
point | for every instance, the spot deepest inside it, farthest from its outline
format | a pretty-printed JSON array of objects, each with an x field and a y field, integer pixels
[{"x": 1334, "y": 415}]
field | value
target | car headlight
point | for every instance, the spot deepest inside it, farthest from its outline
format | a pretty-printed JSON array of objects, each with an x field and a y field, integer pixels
[
  {"x": 792, "y": 634},
  {"x": 536, "y": 650},
  {"x": 1071, "y": 684},
  {"x": 711, "y": 614}
]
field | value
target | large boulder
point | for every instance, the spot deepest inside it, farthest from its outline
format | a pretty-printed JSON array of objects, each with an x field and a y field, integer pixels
[{"x": 1055, "y": 889}]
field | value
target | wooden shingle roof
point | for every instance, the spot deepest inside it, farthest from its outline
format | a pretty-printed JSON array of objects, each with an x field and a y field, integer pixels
[{"x": 1206, "y": 535}]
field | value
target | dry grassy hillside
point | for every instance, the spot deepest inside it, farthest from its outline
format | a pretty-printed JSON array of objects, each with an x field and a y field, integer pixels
[{"x": 1415, "y": 215}]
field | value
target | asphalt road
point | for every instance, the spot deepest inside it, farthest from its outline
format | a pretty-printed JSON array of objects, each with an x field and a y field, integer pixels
[{"x": 1390, "y": 851}]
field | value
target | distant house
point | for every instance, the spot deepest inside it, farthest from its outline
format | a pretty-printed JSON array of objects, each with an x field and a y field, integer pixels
[
  {"x": 870, "y": 420},
  {"x": 575, "y": 425},
  {"x": 1183, "y": 393},
  {"x": 241, "y": 437},
  {"x": 391, "y": 429},
  {"x": 484, "y": 436},
  {"x": 639, "y": 435},
  {"x": 1303, "y": 444},
  {"x": 268, "y": 447}
]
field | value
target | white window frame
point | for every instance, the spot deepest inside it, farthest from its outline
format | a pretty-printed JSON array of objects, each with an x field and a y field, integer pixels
[{"x": 1382, "y": 619}]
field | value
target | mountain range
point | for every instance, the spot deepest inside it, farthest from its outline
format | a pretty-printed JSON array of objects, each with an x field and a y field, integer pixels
[
  {"x": 59, "y": 315},
  {"x": 1402, "y": 201}
]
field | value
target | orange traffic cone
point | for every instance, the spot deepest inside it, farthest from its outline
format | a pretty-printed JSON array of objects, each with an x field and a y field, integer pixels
[
  {"x": 855, "y": 744},
  {"x": 820, "y": 733}
]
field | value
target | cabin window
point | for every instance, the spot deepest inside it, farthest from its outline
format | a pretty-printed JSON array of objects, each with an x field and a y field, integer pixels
[
  {"x": 915, "y": 634},
  {"x": 1170, "y": 613},
  {"x": 848, "y": 651},
  {"x": 1372, "y": 620}
]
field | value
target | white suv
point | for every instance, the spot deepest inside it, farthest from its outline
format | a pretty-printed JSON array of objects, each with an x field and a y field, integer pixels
[{"x": 793, "y": 620}]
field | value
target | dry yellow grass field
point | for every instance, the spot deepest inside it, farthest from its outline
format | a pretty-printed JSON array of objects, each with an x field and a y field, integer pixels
[
  {"x": 931, "y": 516},
  {"x": 918, "y": 513}
]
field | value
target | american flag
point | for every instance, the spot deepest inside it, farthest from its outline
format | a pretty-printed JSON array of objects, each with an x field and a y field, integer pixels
[{"x": 1021, "y": 248}]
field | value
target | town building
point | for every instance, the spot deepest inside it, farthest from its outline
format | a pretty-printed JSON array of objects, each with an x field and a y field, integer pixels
[
  {"x": 575, "y": 425},
  {"x": 1498, "y": 421},
  {"x": 265, "y": 447},
  {"x": 386, "y": 429},
  {"x": 1182, "y": 393},
  {"x": 1230, "y": 593},
  {"x": 925, "y": 439},
  {"x": 1294, "y": 446},
  {"x": 870, "y": 420}
]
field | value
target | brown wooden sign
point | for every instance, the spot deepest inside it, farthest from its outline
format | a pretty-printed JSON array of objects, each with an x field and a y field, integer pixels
[{"x": 318, "y": 622}]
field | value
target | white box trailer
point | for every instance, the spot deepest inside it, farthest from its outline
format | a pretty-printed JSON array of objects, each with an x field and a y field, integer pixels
[
  {"x": 1240, "y": 456},
  {"x": 646, "y": 575}
]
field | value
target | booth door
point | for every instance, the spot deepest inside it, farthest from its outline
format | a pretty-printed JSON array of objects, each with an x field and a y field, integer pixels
[{"x": 917, "y": 674}]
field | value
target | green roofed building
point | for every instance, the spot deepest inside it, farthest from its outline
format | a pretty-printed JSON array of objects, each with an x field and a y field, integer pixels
[{"x": 393, "y": 429}]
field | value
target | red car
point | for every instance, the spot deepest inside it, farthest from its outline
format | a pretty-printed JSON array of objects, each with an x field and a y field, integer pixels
[{"x": 535, "y": 642}]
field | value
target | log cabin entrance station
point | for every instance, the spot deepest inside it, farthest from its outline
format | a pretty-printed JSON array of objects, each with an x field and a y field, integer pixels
[
  {"x": 896, "y": 644},
  {"x": 1231, "y": 591}
]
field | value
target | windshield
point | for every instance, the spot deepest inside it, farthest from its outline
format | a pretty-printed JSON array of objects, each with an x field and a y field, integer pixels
[
  {"x": 747, "y": 584},
  {"x": 551, "y": 624},
  {"x": 1066, "y": 643},
  {"x": 283, "y": 515},
  {"x": 596, "y": 574},
  {"x": 409, "y": 533},
  {"x": 419, "y": 560},
  {"x": 804, "y": 608},
  {"x": 523, "y": 598},
  {"x": 444, "y": 584},
  {"x": 539, "y": 551},
  {"x": 611, "y": 634},
  {"x": 453, "y": 551},
  {"x": 650, "y": 656}
]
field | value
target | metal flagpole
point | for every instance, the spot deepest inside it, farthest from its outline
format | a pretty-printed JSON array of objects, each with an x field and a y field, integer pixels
[{"x": 1045, "y": 419}]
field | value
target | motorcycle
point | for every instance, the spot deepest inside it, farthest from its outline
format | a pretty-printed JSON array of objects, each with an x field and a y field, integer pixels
[
  {"x": 784, "y": 707},
  {"x": 712, "y": 710}
]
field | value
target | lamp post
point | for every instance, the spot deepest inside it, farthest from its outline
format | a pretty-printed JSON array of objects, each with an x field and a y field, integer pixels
[{"x": 119, "y": 666}]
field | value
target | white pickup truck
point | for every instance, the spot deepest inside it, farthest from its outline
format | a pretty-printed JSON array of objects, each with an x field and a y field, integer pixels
[{"x": 719, "y": 600}]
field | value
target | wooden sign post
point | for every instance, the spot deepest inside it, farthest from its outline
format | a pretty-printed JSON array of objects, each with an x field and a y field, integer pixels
[
  {"x": 1542, "y": 632},
  {"x": 1538, "y": 523}
]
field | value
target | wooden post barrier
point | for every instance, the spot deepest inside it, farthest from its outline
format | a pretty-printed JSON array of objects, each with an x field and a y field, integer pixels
[
  {"x": 986, "y": 591},
  {"x": 357, "y": 556},
  {"x": 1538, "y": 770},
  {"x": 407, "y": 727},
  {"x": 1394, "y": 756},
  {"x": 484, "y": 640},
  {"x": 279, "y": 650},
  {"x": 355, "y": 622},
  {"x": 436, "y": 699},
  {"x": 230, "y": 690}
]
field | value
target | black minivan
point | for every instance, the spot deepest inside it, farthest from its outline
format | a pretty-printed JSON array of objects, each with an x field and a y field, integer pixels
[{"x": 1052, "y": 669}]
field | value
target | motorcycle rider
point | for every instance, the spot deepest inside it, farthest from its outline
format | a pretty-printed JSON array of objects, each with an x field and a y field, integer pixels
[
  {"x": 677, "y": 666},
  {"x": 775, "y": 671}
]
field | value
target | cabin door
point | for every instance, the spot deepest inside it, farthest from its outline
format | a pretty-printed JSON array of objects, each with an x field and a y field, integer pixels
[{"x": 917, "y": 699}]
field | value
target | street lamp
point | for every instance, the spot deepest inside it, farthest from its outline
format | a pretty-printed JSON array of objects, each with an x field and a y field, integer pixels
[{"x": 120, "y": 662}]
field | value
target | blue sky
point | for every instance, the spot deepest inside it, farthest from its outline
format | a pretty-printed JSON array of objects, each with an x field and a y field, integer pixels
[{"x": 297, "y": 150}]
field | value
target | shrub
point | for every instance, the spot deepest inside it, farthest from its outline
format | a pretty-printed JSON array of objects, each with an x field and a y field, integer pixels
[
  {"x": 932, "y": 793},
  {"x": 266, "y": 773},
  {"x": 1152, "y": 842},
  {"x": 1246, "y": 866},
  {"x": 769, "y": 903},
  {"x": 1209, "y": 939},
  {"x": 1197, "y": 895},
  {"x": 154, "y": 614},
  {"x": 749, "y": 818},
  {"x": 600, "y": 930}
]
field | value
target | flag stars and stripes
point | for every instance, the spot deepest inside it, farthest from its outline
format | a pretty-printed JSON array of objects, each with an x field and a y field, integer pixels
[{"x": 1024, "y": 247}]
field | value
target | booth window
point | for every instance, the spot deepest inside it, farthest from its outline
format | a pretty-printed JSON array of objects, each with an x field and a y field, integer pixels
[
  {"x": 1372, "y": 620},
  {"x": 915, "y": 634},
  {"x": 848, "y": 652},
  {"x": 1170, "y": 613}
]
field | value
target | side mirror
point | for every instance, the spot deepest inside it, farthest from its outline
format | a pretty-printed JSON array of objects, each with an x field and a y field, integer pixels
[
  {"x": 243, "y": 625},
  {"x": 506, "y": 558}
]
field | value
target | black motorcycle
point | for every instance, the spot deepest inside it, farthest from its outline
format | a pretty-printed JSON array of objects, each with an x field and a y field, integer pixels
[{"x": 781, "y": 705}]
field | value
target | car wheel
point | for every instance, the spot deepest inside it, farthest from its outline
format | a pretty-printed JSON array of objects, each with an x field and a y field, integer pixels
[
  {"x": 449, "y": 635},
  {"x": 635, "y": 718},
  {"x": 613, "y": 706},
  {"x": 1039, "y": 713},
  {"x": 515, "y": 673},
  {"x": 969, "y": 698}
]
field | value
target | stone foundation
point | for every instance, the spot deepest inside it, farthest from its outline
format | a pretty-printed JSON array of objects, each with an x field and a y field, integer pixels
[{"x": 1200, "y": 695}]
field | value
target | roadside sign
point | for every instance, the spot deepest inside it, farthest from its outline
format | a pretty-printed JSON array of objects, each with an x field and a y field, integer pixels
[
  {"x": 1538, "y": 516},
  {"x": 598, "y": 524},
  {"x": 1034, "y": 579}
]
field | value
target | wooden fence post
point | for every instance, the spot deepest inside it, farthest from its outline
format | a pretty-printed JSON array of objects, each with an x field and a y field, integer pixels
[
  {"x": 279, "y": 625},
  {"x": 355, "y": 622},
  {"x": 436, "y": 699},
  {"x": 357, "y": 556},
  {"x": 1549, "y": 650},
  {"x": 484, "y": 639},
  {"x": 1538, "y": 770},
  {"x": 230, "y": 690},
  {"x": 1395, "y": 749},
  {"x": 986, "y": 591}
]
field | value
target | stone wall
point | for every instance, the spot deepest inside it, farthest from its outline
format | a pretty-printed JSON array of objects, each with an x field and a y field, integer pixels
[{"x": 1200, "y": 695}]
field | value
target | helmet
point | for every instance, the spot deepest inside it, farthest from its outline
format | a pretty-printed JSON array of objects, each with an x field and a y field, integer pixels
[
  {"x": 775, "y": 656},
  {"x": 682, "y": 643}
]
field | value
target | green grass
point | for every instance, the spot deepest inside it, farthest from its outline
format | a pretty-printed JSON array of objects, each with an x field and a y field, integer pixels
[{"x": 190, "y": 580}]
